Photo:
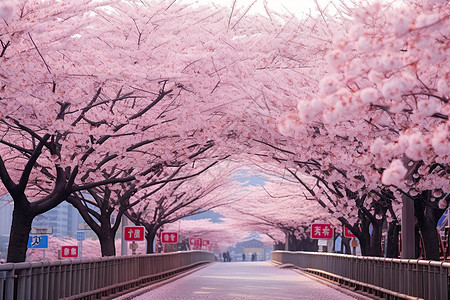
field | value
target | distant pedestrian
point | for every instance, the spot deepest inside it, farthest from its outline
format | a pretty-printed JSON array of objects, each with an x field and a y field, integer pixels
[
  {"x": 228, "y": 256},
  {"x": 225, "y": 257},
  {"x": 243, "y": 256}
]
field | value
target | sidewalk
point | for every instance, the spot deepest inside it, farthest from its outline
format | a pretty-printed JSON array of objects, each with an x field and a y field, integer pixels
[{"x": 243, "y": 280}]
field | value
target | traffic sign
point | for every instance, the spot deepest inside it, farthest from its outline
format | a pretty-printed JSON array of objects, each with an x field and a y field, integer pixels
[
  {"x": 169, "y": 237},
  {"x": 170, "y": 248},
  {"x": 83, "y": 226},
  {"x": 195, "y": 243},
  {"x": 321, "y": 231},
  {"x": 41, "y": 230},
  {"x": 348, "y": 233},
  {"x": 134, "y": 233},
  {"x": 321, "y": 242},
  {"x": 37, "y": 242},
  {"x": 205, "y": 243},
  {"x": 69, "y": 251},
  {"x": 81, "y": 235}
]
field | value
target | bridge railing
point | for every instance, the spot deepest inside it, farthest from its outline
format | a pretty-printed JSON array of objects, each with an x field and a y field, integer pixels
[
  {"x": 92, "y": 278},
  {"x": 402, "y": 277}
]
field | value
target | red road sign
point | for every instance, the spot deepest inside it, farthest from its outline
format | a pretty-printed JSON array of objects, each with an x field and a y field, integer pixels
[
  {"x": 348, "y": 233},
  {"x": 195, "y": 243},
  {"x": 69, "y": 251},
  {"x": 321, "y": 231},
  {"x": 134, "y": 233},
  {"x": 205, "y": 243},
  {"x": 169, "y": 237}
]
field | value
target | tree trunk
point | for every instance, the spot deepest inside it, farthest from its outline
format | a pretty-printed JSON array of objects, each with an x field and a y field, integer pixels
[
  {"x": 20, "y": 231},
  {"x": 417, "y": 242},
  {"x": 392, "y": 240},
  {"x": 364, "y": 237},
  {"x": 150, "y": 237},
  {"x": 345, "y": 243},
  {"x": 370, "y": 243},
  {"x": 105, "y": 232},
  {"x": 375, "y": 238},
  {"x": 107, "y": 243},
  {"x": 428, "y": 214},
  {"x": 364, "y": 244}
]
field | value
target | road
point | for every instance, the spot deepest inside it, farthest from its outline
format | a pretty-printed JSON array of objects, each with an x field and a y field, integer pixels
[{"x": 244, "y": 280}]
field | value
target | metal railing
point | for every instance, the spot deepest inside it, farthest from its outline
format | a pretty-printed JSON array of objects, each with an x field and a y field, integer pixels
[
  {"x": 402, "y": 277},
  {"x": 92, "y": 278}
]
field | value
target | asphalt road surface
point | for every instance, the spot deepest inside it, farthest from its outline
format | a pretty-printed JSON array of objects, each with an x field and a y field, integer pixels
[{"x": 244, "y": 280}]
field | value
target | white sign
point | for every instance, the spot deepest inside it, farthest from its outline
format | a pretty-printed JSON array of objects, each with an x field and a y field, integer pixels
[
  {"x": 41, "y": 230},
  {"x": 322, "y": 242},
  {"x": 83, "y": 226}
]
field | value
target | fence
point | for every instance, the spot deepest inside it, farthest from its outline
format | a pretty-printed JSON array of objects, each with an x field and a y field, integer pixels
[
  {"x": 386, "y": 277},
  {"x": 92, "y": 278}
]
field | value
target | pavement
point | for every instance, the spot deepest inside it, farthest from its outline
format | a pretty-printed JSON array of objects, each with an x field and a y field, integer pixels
[{"x": 243, "y": 281}]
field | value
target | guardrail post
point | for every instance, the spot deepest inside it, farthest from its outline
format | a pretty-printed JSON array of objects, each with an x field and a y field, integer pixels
[{"x": 9, "y": 285}]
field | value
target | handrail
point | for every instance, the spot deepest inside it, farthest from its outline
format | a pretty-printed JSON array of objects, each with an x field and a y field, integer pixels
[
  {"x": 68, "y": 278},
  {"x": 416, "y": 278}
]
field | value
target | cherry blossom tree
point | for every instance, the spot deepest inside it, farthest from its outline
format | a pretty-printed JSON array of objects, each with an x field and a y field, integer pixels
[
  {"x": 52, "y": 105},
  {"x": 176, "y": 199},
  {"x": 385, "y": 100},
  {"x": 127, "y": 101},
  {"x": 279, "y": 205},
  {"x": 225, "y": 233},
  {"x": 81, "y": 96}
]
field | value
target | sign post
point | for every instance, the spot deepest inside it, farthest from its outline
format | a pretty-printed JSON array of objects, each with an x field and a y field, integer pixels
[
  {"x": 38, "y": 241},
  {"x": 322, "y": 232},
  {"x": 169, "y": 241},
  {"x": 81, "y": 236},
  {"x": 348, "y": 233},
  {"x": 206, "y": 245},
  {"x": 133, "y": 247},
  {"x": 169, "y": 237},
  {"x": 195, "y": 243},
  {"x": 83, "y": 226},
  {"x": 134, "y": 233},
  {"x": 41, "y": 230},
  {"x": 69, "y": 251}
]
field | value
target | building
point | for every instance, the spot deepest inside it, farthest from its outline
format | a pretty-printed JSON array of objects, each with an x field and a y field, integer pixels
[
  {"x": 64, "y": 219},
  {"x": 251, "y": 246},
  {"x": 6, "y": 211}
]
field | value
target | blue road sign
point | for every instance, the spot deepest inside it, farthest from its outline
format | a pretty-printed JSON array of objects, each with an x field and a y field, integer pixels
[
  {"x": 38, "y": 242},
  {"x": 81, "y": 235}
]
